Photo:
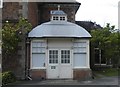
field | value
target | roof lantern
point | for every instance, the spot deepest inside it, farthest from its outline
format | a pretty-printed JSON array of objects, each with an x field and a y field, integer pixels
[
  {"x": 58, "y": 27},
  {"x": 58, "y": 15}
]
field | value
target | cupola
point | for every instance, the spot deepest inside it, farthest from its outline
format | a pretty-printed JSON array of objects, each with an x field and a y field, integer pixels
[
  {"x": 59, "y": 27},
  {"x": 58, "y": 15}
]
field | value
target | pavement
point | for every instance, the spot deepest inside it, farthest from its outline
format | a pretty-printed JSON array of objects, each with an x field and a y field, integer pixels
[{"x": 100, "y": 82}]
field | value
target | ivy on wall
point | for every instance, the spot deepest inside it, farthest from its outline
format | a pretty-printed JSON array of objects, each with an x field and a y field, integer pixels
[{"x": 11, "y": 35}]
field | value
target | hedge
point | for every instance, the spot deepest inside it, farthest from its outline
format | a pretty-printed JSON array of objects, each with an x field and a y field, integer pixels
[{"x": 8, "y": 77}]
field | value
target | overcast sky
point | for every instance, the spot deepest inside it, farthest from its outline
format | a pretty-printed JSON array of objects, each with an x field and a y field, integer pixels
[{"x": 99, "y": 11}]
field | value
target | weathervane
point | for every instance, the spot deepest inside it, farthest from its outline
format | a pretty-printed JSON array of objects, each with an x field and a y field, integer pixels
[{"x": 58, "y": 7}]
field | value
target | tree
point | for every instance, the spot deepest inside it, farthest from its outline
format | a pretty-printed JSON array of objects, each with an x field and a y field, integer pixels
[{"x": 106, "y": 40}]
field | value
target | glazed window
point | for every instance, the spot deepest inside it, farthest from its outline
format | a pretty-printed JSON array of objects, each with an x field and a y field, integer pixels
[
  {"x": 62, "y": 18},
  {"x": 65, "y": 56},
  {"x": 80, "y": 54},
  {"x": 80, "y": 47},
  {"x": 55, "y": 18},
  {"x": 38, "y": 55},
  {"x": 53, "y": 56}
]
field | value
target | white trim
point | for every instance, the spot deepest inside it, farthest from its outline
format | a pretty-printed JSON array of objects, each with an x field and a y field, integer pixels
[
  {"x": 1, "y": 3},
  {"x": 72, "y": 61},
  {"x": 48, "y": 57},
  {"x": 88, "y": 53},
  {"x": 70, "y": 57},
  {"x": 80, "y": 40},
  {"x": 86, "y": 41},
  {"x": 48, "y": 64},
  {"x": 80, "y": 67},
  {"x": 38, "y": 68},
  {"x": 58, "y": 17},
  {"x": 59, "y": 61},
  {"x": 31, "y": 66}
]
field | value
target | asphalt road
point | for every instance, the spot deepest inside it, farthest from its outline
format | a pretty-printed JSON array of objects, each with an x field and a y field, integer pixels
[{"x": 101, "y": 82}]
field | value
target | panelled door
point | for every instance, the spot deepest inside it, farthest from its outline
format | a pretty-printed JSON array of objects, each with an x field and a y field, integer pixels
[{"x": 59, "y": 64}]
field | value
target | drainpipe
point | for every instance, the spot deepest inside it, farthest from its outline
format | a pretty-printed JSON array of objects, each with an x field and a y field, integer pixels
[{"x": 27, "y": 76}]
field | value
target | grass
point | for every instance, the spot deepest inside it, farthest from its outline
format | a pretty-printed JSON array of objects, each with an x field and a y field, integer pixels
[{"x": 106, "y": 72}]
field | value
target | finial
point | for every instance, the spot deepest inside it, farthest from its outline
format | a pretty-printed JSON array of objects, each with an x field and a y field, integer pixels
[{"x": 58, "y": 7}]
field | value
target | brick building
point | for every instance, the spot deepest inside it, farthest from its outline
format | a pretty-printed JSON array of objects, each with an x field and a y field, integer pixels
[{"x": 36, "y": 13}]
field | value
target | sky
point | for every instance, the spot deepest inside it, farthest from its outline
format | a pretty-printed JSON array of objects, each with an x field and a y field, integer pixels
[{"x": 99, "y": 11}]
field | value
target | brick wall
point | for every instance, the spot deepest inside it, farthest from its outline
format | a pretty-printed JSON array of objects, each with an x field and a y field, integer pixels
[
  {"x": 38, "y": 74},
  {"x": 45, "y": 8},
  {"x": 11, "y": 11},
  {"x": 40, "y": 12},
  {"x": 33, "y": 13},
  {"x": 82, "y": 74},
  {"x": 78, "y": 74}
]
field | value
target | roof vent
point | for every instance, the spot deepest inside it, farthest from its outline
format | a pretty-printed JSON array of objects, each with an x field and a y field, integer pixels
[{"x": 58, "y": 15}]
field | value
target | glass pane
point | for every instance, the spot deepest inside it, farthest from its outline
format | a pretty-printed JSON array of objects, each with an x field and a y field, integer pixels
[
  {"x": 79, "y": 50},
  {"x": 55, "y": 18},
  {"x": 62, "y": 18},
  {"x": 79, "y": 60},
  {"x": 36, "y": 44},
  {"x": 53, "y": 56},
  {"x": 65, "y": 56},
  {"x": 80, "y": 44},
  {"x": 38, "y": 60}
]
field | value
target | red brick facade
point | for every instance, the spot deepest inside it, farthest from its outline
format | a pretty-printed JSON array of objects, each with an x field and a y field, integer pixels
[
  {"x": 78, "y": 74},
  {"x": 38, "y": 74},
  {"x": 11, "y": 11},
  {"x": 33, "y": 13},
  {"x": 40, "y": 12},
  {"x": 81, "y": 74}
]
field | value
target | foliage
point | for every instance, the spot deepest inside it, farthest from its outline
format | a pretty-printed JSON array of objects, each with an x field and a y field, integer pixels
[
  {"x": 11, "y": 35},
  {"x": 106, "y": 39},
  {"x": 0, "y": 34},
  {"x": 8, "y": 77}
]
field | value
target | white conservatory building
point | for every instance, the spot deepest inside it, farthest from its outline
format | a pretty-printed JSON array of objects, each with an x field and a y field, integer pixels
[{"x": 59, "y": 49}]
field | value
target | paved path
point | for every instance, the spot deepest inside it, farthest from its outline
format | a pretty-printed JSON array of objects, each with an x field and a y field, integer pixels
[{"x": 105, "y": 82}]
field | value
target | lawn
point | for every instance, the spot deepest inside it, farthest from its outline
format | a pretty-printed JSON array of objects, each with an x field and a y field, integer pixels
[{"x": 106, "y": 72}]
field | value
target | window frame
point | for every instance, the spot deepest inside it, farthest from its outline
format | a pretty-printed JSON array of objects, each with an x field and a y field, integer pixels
[
  {"x": 68, "y": 59},
  {"x": 42, "y": 46},
  {"x": 53, "y": 55},
  {"x": 55, "y": 18},
  {"x": 78, "y": 45},
  {"x": 62, "y": 18},
  {"x": 58, "y": 18}
]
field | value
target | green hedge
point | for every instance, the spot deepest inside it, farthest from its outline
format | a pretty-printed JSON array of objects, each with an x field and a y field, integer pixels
[{"x": 8, "y": 77}]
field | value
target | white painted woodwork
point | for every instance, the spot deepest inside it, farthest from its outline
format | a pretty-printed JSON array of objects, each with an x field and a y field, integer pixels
[{"x": 79, "y": 56}]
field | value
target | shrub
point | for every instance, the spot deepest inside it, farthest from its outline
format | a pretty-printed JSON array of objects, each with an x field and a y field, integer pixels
[{"x": 8, "y": 77}]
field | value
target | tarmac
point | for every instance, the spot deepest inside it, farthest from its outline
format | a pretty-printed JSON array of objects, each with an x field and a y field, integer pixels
[{"x": 99, "y": 82}]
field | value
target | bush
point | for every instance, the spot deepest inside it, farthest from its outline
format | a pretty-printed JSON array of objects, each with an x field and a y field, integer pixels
[{"x": 8, "y": 77}]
